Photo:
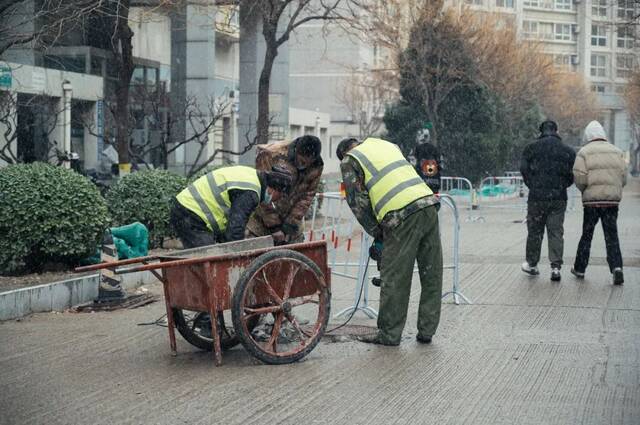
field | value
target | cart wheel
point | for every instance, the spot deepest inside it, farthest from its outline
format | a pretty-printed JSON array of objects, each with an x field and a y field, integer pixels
[
  {"x": 289, "y": 291},
  {"x": 190, "y": 326}
]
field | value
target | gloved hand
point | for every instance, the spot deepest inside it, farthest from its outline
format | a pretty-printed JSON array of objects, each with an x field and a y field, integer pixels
[
  {"x": 279, "y": 238},
  {"x": 375, "y": 250},
  {"x": 289, "y": 229}
]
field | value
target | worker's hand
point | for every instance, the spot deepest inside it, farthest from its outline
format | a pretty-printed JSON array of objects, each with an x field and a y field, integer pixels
[
  {"x": 375, "y": 251},
  {"x": 279, "y": 237}
]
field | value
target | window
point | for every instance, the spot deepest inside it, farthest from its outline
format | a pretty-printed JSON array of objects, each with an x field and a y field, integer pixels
[
  {"x": 532, "y": 3},
  {"x": 529, "y": 29},
  {"x": 563, "y": 4},
  {"x": 625, "y": 37},
  {"x": 476, "y": 2},
  {"x": 598, "y": 66},
  {"x": 598, "y": 88},
  {"x": 598, "y": 35},
  {"x": 624, "y": 66},
  {"x": 620, "y": 89},
  {"x": 562, "y": 61},
  {"x": 599, "y": 8},
  {"x": 626, "y": 10},
  {"x": 505, "y": 3},
  {"x": 563, "y": 32},
  {"x": 546, "y": 31}
]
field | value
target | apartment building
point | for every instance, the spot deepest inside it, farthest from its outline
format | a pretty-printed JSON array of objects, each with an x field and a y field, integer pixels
[{"x": 584, "y": 36}]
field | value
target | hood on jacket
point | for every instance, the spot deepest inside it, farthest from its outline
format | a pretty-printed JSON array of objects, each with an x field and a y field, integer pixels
[{"x": 594, "y": 131}]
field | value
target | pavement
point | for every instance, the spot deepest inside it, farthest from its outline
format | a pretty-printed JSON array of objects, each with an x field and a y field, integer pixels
[{"x": 527, "y": 351}]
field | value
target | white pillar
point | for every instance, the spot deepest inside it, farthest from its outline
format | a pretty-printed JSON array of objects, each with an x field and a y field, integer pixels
[
  {"x": 67, "y": 92},
  {"x": 90, "y": 142}
]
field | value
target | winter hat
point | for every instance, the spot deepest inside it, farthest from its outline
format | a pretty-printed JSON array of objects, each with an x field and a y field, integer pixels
[
  {"x": 308, "y": 146},
  {"x": 594, "y": 131},
  {"x": 279, "y": 179}
]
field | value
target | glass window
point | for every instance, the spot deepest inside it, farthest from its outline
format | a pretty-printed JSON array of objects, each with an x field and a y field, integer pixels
[
  {"x": 505, "y": 3},
  {"x": 598, "y": 35},
  {"x": 529, "y": 29},
  {"x": 562, "y": 61},
  {"x": 532, "y": 3},
  {"x": 624, "y": 66},
  {"x": 599, "y": 8},
  {"x": 625, "y": 37},
  {"x": 563, "y": 4},
  {"x": 598, "y": 88},
  {"x": 598, "y": 66},
  {"x": 563, "y": 32},
  {"x": 546, "y": 31},
  {"x": 626, "y": 10}
]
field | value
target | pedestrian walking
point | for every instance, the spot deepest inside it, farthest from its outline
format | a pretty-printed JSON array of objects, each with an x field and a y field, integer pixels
[
  {"x": 546, "y": 169},
  {"x": 396, "y": 207},
  {"x": 282, "y": 219},
  {"x": 600, "y": 173},
  {"x": 216, "y": 207}
]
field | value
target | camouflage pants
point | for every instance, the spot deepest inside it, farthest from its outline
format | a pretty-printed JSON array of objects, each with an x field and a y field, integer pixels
[
  {"x": 415, "y": 239},
  {"x": 549, "y": 215}
]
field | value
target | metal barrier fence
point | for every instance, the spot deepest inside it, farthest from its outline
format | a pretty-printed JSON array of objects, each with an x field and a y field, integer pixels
[{"x": 348, "y": 247}]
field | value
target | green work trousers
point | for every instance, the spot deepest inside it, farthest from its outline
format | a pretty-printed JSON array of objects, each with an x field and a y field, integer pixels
[{"x": 417, "y": 238}]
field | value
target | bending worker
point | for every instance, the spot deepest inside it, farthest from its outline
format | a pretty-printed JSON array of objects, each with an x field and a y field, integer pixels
[
  {"x": 394, "y": 205},
  {"x": 216, "y": 207},
  {"x": 282, "y": 219}
]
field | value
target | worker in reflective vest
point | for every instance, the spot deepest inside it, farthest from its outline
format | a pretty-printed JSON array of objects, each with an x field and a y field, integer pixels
[
  {"x": 217, "y": 206},
  {"x": 396, "y": 207}
]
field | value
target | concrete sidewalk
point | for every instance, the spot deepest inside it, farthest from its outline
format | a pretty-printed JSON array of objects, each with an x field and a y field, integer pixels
[{"x": 528, "y": 351}]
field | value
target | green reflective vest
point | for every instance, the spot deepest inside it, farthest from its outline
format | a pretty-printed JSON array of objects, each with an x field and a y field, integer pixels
[
  {"x": 208, "y": 196},
  {"x": 391, "y": 181}
]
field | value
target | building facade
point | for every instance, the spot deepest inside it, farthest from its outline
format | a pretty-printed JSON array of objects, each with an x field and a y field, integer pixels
[{"x": 589, "y": 37}]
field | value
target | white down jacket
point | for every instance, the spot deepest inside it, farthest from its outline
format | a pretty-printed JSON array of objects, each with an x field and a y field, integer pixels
[{"x": 600, "y": 171}]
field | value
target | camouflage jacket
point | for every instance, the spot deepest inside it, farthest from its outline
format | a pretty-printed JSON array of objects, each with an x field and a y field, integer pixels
[
  {"x": 291, "y": 208},
  {"x": 358, "y": 200}
]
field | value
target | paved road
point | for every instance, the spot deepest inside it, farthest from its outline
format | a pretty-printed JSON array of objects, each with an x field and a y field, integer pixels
[{"x": 527, "y": 351}]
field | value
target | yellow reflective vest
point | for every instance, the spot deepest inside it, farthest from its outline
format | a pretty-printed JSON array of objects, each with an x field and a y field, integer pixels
[
  {"x": 208, "y": 196},
  {"x": 391, "y": 181}
]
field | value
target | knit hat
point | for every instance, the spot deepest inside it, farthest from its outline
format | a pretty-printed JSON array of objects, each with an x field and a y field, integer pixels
[{"x": 279, "y": 179}]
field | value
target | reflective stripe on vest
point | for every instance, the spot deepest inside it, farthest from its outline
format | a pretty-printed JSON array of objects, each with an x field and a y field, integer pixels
[
  {"x": 208, "y": 196},
  {"x": 391, "y": 181}
]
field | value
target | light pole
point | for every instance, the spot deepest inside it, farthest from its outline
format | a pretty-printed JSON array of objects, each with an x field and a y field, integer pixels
[{"x": 67, "y": 91}]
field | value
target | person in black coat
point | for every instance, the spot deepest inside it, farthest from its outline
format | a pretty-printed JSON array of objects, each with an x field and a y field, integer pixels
[{"x": 546, "y": 168}]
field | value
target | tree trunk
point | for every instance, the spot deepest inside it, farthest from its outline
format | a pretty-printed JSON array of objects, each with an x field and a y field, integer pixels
[
  {"x": 263, "y": 93},
  {"x": 125, "y": 66}
]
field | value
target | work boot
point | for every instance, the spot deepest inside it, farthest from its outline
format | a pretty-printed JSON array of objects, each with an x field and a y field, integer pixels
[
  {"x": 576, "y": 273},
  {"x": 423, "y": 339},
  {"x": 530, "y": 270},
  {"x": 618, "y": 276},
  {"x": 375, "y": 339},
  {"x": 555, "y": 274}
]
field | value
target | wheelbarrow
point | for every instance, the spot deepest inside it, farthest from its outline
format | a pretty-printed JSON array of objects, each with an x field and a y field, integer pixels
[{"x": 279, "y": 298}]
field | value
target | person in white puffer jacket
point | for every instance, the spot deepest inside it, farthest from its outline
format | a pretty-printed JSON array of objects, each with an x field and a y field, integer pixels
[{"x": 600, "y": 172}]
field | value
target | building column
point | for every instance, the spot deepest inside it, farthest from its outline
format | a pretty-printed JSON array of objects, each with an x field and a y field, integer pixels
[
  {"x": 252, "y": 52},
  {"x": 193, "y": 47}
]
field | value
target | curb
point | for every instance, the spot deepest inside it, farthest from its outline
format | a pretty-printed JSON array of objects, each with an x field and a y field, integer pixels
[{"x": 58, "y": 296}]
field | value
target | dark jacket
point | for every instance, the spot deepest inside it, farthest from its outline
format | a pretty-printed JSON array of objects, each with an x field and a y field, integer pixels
[{"x": 546, "y": 168}]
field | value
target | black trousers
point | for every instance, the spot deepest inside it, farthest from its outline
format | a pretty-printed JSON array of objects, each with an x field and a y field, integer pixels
[
  {"x": 609, "y": 217},
  {"x": 191, "y": 229}
]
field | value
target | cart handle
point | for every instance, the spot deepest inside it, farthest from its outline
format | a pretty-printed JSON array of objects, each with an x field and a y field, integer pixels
[
  {"x": 113, "y": 264},
  {"x": 216, "y": 258}
]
